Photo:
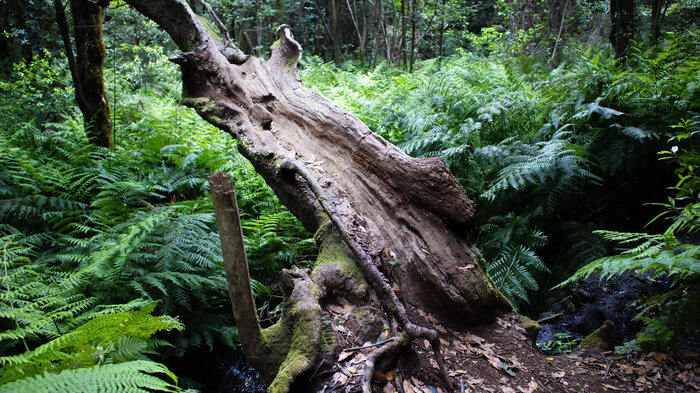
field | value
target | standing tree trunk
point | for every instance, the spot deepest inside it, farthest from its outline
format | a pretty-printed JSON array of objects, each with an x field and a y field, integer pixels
[
  {"x": 622, "y": 26},
  {"x": 335, "y": 29},
  {"x": 87, "y": 67},
  {"x": 413, "y": 36},
  {"x": 657, "y": 7},
  {"x": 390, "y": 228}
]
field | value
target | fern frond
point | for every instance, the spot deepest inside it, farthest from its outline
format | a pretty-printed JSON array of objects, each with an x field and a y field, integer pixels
[{"x": 135, "y": 376}]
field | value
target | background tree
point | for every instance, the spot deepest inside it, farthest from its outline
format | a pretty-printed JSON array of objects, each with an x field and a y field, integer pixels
[
  {"x": 622, "y": 26},
  {"x": 86, "y": 67}
]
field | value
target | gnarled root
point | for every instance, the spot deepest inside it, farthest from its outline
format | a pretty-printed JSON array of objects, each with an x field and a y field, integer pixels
[
  {"x": 305, "y": 314},
  {"x": 385, "y": 353}
]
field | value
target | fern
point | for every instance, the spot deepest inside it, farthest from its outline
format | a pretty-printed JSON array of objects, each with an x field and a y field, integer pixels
[
  {"x": 556, "y": 164},
  {"x": 509, "y": 242},
  {"x": 133, "y": 376}
]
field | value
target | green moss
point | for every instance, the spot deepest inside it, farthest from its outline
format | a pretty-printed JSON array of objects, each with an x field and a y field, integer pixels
[
  {"x": 328, "y": 341},
  {"x": 333, "y": 252},
  {"x": 602, "y": 339},
  {"x": 531, "y": 327},
  {"x": 304, "y": 346}
]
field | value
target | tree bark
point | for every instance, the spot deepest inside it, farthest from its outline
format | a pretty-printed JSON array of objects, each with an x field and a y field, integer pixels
[
  {"x": 400, "y": 221},
  {"x": 87, "y": 68},
  {"x": 622, "y": 26},
  {"x": 657, "y": 7}
]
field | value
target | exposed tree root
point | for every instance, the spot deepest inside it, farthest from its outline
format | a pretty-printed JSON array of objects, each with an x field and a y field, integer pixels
[
  {"x": 386, "y": 352},
  {"x": 305, "y": 312}
]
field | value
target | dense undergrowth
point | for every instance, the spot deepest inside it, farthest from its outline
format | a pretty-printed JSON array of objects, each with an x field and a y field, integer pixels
[
  {"x": 96, "y": 237},
  {"x": 111, "y": 258},
  {"x": 549, "y": 155}
]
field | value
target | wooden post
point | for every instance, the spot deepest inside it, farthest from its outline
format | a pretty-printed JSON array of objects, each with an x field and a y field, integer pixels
[{"x": 228, "y": 222}]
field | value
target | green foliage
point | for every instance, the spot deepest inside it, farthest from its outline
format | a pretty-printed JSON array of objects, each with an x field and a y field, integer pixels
[
  {"x": 38, "y": 86},
  {"x": 509, "y": 243},
  {"x": 562, "y": 149},
  {"x": 134, "y": 376},
  {"x": 671, "y": 316},
  {"x": 92, "y": 236},
  {"x": 563, "y": 343},
  {"x": 53, "y": 332}
]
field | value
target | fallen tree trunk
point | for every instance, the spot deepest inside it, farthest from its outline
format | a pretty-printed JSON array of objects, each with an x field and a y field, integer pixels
[{"x": 390, "y": 228}]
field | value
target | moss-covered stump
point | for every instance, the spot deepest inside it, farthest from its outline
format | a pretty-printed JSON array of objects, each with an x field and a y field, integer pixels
[
  {"x": 602, "y": 339},
  {"x": 532, "y": 328}
]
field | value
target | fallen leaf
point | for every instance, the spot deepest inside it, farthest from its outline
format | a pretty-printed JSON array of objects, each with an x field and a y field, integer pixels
[
  {"x": 344, "y": 355},
  {"x": 407, "y": 388},
  {"x": 416, "y": 382},
  {"x": 340, "y": 309},
  {"x": 397, "y": 290},
  {"x": 506, "y": 389},
  {"x": 389, "y": 388},
  {"x": 476, "y": 339},
  {"x": 532, "y": 386},
  {"x": 352, "y": 370},
  {"x": 360, "y": 357},
  {"x": 558, "y": 374},
  {"x": 426, "y": 344},
  {"x": 658, "y": 357},
  {"x": 606, "y": 386},
  {"x": 389, "y": 375},
  {"x": 626, "y": 368},
  {"x": 514, "y": 363},
  {"x": 340, "y": 378}
]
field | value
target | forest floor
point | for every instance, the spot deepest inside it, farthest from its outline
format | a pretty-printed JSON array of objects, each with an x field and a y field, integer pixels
[{"x": 499, "y": 358}]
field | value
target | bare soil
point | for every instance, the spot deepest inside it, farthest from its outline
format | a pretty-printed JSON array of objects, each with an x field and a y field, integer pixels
[{"x": 500, "y": 358}]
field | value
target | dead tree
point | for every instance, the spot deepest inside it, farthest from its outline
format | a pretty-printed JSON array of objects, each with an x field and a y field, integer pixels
[{"x": 390, "y": 228}]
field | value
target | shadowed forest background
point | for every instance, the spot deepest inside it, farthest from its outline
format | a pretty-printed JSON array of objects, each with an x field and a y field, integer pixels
[{"x": 573, "y": 125}]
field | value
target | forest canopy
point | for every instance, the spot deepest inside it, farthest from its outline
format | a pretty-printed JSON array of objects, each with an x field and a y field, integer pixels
[{"x": 570, "y": 129}]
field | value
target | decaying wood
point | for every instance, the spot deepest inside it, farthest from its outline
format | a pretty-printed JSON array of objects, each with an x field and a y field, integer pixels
[
  {"x": 402, "y": 220},
  {"x": 228, "y": 222}
]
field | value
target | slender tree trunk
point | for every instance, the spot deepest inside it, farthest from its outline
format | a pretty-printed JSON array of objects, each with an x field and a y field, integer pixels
[
  {"x": 335, "y": 30},
  {"x": 441, "y": 51},
  {"x": 402, "y": 43},
  {"x": 622, "y": 26},
  {"x": 413, "y": 35},
  {"x": 385, "y": 32},
  {"x": 87, "y": 67},
  {"x": 657, "y": 7}
]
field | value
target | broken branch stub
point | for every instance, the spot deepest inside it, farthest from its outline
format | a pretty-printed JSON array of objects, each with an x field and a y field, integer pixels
[{"x": 228, "y": 223}]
